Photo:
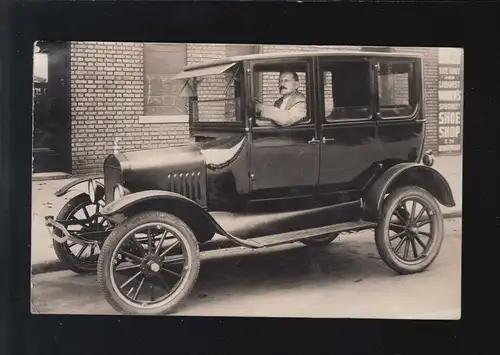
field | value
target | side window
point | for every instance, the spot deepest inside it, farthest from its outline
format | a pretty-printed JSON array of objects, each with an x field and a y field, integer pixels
[
  {"x": 346, "y": 88},
  {"x": 282, "y": 89},
  {"x": 395, "y": 87}
]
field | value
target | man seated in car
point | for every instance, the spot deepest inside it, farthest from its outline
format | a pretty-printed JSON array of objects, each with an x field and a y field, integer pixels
[{"x": 289, "y": 109}]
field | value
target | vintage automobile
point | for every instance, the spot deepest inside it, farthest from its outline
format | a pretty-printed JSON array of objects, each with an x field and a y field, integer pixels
[{"x": 342, "y": 151}]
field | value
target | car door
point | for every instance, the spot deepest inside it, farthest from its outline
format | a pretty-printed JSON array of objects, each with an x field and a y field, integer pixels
[
  {"x": 348, "y": 128},
  {"x": 283, "y": 160}
]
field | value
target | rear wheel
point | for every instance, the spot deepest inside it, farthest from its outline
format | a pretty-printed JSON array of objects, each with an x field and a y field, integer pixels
[
  {"x": 409, "y": 242},
  {"x": 321, "y": 241},
  {"x": 149, "y": 264}
]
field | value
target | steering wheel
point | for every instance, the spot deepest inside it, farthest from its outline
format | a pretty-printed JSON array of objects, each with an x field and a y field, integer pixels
[{"x": 257, "y": 113}]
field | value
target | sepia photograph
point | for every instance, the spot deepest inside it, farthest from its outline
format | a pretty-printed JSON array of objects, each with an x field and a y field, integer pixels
[{"x": 247, "y": 180}]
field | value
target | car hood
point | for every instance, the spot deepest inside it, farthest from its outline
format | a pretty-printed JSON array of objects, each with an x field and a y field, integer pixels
[
  {"x": 159, "y": 161},
  {"x": 192, "y": 157}
]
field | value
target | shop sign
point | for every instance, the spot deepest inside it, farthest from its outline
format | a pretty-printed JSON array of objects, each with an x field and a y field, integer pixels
[{"x": 450, "y": 95}]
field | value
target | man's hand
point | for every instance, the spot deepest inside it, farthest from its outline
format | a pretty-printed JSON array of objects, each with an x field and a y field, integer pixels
[{"x": 258, "y": 105}]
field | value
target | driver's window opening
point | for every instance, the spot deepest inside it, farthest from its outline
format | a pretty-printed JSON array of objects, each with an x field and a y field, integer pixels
[
  {"x": 346, "y": 88},
  {"x": 216, "y": 98},
  {"x": 395, "y": 80},
  {"x": 282, "y": 91}
]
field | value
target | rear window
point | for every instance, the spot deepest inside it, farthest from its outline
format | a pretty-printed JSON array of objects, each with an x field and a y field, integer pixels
[
  {"x": 346, "y": 88},
  {"x": 396, "y": 87}
]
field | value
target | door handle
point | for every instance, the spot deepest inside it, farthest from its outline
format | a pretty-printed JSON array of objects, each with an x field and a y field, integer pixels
[
  {"x": 327, "y": 140},
  {"x": 313, "y": 141}
]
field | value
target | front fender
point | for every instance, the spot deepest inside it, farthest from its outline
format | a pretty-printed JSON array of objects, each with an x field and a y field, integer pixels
[
  {"x": 405, "y": 174},
  {"x": 127, "y": 201},
  {"x": 64, "y": 190},
  {"x": 195, "y": 216}
]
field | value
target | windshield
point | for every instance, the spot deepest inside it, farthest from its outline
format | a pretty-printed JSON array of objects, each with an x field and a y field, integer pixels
[{"x": 216, "y": 97}]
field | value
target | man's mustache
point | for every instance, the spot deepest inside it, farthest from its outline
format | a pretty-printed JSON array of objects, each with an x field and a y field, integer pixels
[{"x": 282, "y": 88}]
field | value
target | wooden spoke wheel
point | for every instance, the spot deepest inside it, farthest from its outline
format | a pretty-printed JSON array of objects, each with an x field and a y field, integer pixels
[
  {"x": 148, "y": 264},
  {"x": 410, "y": 231},
  {"x": 80, "y": 258}
]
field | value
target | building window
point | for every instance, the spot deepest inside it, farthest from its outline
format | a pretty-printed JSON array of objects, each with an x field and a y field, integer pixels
[
  {"x": 233, "y": 50},
  {"x": 43, "y": 135},
  {"x": 40, "y": 68},
  {"x": 161, "y": 96},
  {"x": 395, "y": 80}
]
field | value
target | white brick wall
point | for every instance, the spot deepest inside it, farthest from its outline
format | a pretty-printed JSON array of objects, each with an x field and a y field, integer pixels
[{"x": 107, "y": 98}]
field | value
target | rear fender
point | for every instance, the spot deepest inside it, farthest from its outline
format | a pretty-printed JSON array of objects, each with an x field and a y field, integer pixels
[
  {"x": 204, "y": 226},
  {"x": 406, "y": 174},
  {"x": 65, "y": 189}
]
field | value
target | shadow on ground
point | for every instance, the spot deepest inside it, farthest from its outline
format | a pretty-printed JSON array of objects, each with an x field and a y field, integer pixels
[{"x": 240, "y": 273}]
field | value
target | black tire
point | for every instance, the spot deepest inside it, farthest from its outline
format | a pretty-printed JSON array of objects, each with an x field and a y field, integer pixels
[
  {"x": 62, "y": 250},
  {"x": 321, "y": 241},
  {"x": 118, "y": 239},
  {"x": 410, "y": 235}
]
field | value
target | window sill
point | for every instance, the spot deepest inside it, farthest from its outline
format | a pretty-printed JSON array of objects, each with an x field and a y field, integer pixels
[{"x": 164, "y": 119}]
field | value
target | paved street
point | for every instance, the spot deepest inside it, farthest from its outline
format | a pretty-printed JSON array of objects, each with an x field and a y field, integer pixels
[{"x": 346, "y": 279}]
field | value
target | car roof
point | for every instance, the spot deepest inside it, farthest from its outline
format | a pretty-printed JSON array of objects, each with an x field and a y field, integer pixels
[{"x": 233, "y": 59}]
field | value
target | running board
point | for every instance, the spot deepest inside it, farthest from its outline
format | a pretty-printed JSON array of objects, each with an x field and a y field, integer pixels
[{"x": 295, "y": 236}]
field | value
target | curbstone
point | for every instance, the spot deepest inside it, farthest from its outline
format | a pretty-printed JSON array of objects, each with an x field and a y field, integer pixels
[
  {"x": 453, "y": 214},
  {"x": 47, "y": 266}
]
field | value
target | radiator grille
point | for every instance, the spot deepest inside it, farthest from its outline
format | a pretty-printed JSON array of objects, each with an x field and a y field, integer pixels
[{"x": 112, "y": 176}]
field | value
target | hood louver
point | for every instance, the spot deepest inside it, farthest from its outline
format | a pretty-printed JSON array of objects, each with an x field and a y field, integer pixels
[{"x": 186, "y": 184}]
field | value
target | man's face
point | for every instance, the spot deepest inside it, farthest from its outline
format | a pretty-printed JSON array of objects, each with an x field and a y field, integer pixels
[{"x": 287, "y": 84}]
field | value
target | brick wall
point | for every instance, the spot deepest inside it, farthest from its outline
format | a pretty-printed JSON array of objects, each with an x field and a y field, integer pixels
[
  {"x": 393, "y": 89},
  {"x": 212, "y": 87},
  {"x": 430, "y": 62},
  {"x": 107, "y": 98}
]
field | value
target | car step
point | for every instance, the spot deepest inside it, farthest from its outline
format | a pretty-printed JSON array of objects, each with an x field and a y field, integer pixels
[{"x": 290, "y": 237}]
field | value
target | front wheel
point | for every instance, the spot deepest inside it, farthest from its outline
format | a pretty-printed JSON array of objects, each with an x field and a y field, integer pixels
[
  {"x": 149, "y": 264},
  {"x": 409, "y": 242}
]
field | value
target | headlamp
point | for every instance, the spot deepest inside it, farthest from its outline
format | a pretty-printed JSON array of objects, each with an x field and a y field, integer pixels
[
  {"x": 428, "y": 158},
  {"x": 91, "y": 190},
  {"x": 118, "y": 192}
]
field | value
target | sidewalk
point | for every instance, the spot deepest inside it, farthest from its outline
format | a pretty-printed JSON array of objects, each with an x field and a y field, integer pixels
[{"x": 44, "y": 203}]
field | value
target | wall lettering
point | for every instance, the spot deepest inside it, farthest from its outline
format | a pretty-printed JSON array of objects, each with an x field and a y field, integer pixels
[{"x": 450, "y": 100}]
